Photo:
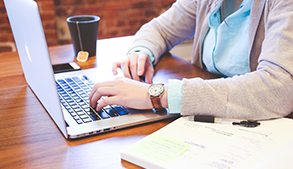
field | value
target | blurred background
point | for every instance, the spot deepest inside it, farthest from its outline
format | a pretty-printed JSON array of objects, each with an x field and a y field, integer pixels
[{"x": 118, "y": 18}]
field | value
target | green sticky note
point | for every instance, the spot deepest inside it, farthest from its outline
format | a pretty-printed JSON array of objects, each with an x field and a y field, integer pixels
[{"x": 159, "y": 148}]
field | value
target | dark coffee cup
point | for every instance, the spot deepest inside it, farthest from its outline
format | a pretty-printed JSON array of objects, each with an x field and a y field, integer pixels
[{"x": 84, "y": 33}]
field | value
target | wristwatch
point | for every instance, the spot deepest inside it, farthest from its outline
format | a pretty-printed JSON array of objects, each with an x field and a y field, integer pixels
[{"x": 155, "y": 92}]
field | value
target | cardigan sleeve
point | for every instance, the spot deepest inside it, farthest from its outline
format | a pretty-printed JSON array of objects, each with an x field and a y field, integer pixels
[
  {"x": 169, "y": 29},
  {"x": 262, "y": 94}
]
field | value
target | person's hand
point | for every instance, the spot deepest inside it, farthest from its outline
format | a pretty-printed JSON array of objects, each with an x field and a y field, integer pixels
[
  {"x": 122, "y": 91},
  {"x": 135, "y": 65}
]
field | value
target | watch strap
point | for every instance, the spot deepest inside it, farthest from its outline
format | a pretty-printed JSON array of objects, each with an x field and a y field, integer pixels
[{"x": 156, "y": 103}]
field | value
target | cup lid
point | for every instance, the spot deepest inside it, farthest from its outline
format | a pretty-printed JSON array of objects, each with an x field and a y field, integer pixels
[{"x": 82, "y": 19}]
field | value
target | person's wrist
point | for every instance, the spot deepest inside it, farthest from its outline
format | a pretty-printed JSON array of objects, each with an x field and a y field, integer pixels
[
  {"x": 156, "y": 92},
  {"x": 164, "y": 98}
]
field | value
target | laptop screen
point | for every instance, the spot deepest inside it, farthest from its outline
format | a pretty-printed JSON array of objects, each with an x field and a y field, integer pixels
[{"x": 33, "y": 52}]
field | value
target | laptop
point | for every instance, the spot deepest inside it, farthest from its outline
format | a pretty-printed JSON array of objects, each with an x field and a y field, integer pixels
[{"x": 65, "y": 95}]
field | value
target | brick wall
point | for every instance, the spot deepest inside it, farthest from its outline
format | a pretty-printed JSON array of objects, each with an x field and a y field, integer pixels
[{"x": 118, "y": 18}]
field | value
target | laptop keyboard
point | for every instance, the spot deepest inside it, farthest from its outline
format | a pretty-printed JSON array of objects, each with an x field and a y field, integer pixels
[{"x": 74, "y": 96}]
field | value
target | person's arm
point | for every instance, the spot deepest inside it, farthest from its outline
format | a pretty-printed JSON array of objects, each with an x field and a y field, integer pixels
[
  {"x": 172, "y": 27},
  {"x": 161, "y": 34},
  {"x": 262, "y": 94},
  {"x": 124, "y": 92}
]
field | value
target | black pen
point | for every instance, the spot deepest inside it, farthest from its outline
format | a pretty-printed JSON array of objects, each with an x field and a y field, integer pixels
[{"x": 213, "y": 119}]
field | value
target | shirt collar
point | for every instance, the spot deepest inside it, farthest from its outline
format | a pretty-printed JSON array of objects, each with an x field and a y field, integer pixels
[{"x": 215, "y": 17}]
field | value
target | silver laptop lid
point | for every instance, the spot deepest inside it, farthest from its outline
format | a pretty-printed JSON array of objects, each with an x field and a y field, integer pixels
[{"x": 33, "y": 52}]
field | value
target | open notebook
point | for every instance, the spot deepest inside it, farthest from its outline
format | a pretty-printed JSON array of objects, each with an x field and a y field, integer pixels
[{"x": 188, "y": 144}]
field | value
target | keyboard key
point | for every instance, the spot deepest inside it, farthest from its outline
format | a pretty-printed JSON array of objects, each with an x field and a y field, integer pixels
[
  {"x": 77, "y": 110},
  {"x": 120, "y": 110},
  {"x": 72, "y": 104},
  {"x": 124, "y": 112},
  {"x": 103, "y": 114},
  {"x": 85, "y": 106},
  {"x": 117, "y": 108},
  {"x": 69, "y": 101},
  {"x": 93, "y": 115},
  {"x": 79, "y": 121},
  {"x": 80, "y": 113},
  {"x": 60, "y": 81},
  {"x": 86, "y": 120},
  {"x": 75, "y": 117},
  {"x": 112, "y": 112},
  {"x": 83, "y": 116},
  {"x": 71, "y": 92},
  {"x": 85, "y": 77},
  {"x": 75, "y": 106}
]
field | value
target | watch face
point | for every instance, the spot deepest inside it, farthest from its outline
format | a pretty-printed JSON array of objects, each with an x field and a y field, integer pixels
[{"x": 156, "y": 89}]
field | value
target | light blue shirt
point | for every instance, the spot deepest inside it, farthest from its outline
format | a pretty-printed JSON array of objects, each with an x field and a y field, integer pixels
[{"x": 225, "y": 48}]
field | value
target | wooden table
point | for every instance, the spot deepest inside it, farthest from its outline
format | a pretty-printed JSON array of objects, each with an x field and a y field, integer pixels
[{"x": 30, "y": 139}]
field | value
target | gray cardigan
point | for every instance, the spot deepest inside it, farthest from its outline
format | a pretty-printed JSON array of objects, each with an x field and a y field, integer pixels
[{"x": 266, "y": 92}]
